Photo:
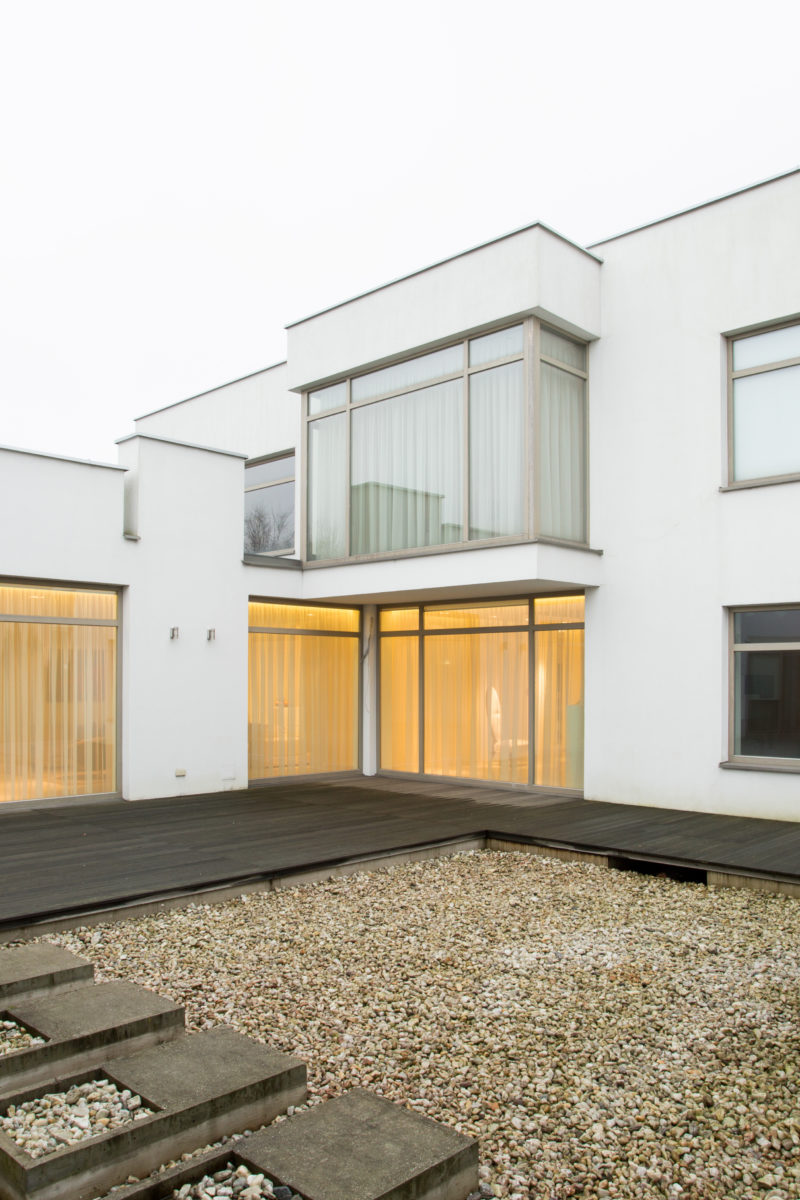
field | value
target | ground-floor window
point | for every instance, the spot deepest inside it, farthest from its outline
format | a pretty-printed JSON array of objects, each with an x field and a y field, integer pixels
[
  {"x": 303, "y": 696},
  {"x": 58, "y": 692},
  {"x": 766, "y": 684},
  {"x": 488, "y": 691}
]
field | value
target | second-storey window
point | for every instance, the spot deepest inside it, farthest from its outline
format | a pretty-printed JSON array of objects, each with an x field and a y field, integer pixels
[
  {"x": 765, "y": 405},
  {"x": 436, "y": 450},
  {"x": 269, "y": 505}
]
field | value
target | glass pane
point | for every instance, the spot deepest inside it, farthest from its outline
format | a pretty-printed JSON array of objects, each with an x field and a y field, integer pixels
[
  {"x": 562, "y": 456},
  {"x": 58, "y": 706},
  {"x": 302, "y": 704},
  {"x": 572, "y": 354},
  {"x": 767, "y": 625},
  {"x": 406, "y": 470},
  {"x": 21, "y": 601},
  {"x": 400, "y": 704},
  {"x": 407, "y": 374},
  {"x": 510, "y": 612},
  {"x": 495, "y": 345},
  {"x": 334, "y": 396},
  {"x": 327, "y": 487},
  {"x": 268, "y": 472},
  {"x": 497, "y": 487},
  {"x": 476, "y": 706},
  {"x": 558, "y": 705},
  {"x": 265, "y": 615},
  {"x": 763, "y": 348},
  {"x": 391, "y": 619},
  {"x": 269, "y": 519},
  {"x": 766, "y": 424},
  {"x": 767, "y": 704},
  {"x": 558, "y": 610}
]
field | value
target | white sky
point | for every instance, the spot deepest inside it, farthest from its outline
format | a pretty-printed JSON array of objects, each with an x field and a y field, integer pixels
[{"x": 180, "y": 179}]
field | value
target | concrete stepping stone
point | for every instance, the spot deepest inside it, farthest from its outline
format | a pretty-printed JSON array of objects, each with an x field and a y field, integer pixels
[
  {"x": 39, "y": 967},
  {"x": 357, "y": 1147},
  {"x": 362, "y": 1147},
  {"x": 85, "y": 1026},
  {"x": 204, "y": 1087}
]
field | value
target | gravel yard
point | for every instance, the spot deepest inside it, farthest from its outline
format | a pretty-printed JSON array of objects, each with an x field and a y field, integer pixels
[{"x": 604, "y": 1034}]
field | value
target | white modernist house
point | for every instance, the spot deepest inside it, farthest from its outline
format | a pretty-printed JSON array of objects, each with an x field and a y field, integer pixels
[{"x": 529, "y": 516}]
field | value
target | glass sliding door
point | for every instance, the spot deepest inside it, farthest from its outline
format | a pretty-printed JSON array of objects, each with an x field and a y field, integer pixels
[
  {"x": 303, "y": 696},
  {"x": 58, "y": 692},
  {"x": 502, "y": 691}
]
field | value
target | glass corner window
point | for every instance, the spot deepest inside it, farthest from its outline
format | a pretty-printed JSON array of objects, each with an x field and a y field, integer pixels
[
  {"x": 437, "y": 449},
  {"x": 269, "y": 505}
]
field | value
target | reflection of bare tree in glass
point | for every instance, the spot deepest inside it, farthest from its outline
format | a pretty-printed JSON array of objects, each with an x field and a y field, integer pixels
[{"x": 266, "y": 530}]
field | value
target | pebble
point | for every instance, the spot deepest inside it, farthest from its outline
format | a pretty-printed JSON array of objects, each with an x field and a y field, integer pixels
[
  {"x": 50, "y": 1122},
  {"x": 15, "y": 1037},
  {"x": 603, "y": 1033},
  {"x": 236, "y": 1182}
]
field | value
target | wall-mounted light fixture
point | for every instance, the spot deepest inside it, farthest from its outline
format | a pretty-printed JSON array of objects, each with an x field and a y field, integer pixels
[
  {"x": 173, "y": 633},
  {"x": 211, "y": 635}
]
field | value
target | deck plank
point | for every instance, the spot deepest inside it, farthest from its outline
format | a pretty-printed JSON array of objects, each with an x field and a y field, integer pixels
[{"x": 75, "y": 857}]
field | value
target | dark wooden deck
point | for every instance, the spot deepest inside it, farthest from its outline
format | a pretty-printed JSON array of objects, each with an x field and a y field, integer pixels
[{"x": 75, "y": 858}]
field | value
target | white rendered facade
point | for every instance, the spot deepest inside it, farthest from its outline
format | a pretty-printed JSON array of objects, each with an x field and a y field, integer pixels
[{"x": 678, "y": 406}]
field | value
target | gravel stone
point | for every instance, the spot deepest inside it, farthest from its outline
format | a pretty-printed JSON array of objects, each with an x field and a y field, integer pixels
[
  {"x": 50, "y": 1122},
  {"x": 15, "y": 1037},
  {"x": 605, "y": 1034}
]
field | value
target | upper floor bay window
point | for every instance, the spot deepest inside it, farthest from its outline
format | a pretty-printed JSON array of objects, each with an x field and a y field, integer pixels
[
  {"x": 480, "y": 441},
  {"x": 764, "y": 405},
  {"x": 269, "y": 505}
]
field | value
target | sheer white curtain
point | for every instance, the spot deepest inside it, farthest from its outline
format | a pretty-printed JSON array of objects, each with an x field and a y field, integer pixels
[
  {"x": 57, "y": 710},
  {"x": 327, "y": 487},
  {"x": 497, "y": 492},
  {"x": 561, "y": 457},
  {"x": 406, "y": 471}
]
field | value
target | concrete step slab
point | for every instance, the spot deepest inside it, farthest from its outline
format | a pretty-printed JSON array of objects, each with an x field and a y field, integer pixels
[
  {"x": 362, "y": 1147},
  {"x": 36, "y": 968},
  {"x": 85, "y": 1026},
  {"x": 205, "y": 1087},
  {"x": 357, "y": 1147}
]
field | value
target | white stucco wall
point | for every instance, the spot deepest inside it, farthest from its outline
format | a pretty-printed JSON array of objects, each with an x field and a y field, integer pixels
[
  {"x": 185, "y": 700},
  {"x": 533, "y": 271},
  {"x": 254, "y": 416},
  {"x": 677, "y": 550}
]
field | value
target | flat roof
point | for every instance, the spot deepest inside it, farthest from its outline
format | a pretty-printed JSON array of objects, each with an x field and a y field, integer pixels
[
  {"x": 694, "y": 208},
  {"x": 217, "y": 387},
  {"x": 441, "y": 262},
  {"x": 81, "y": 462}
]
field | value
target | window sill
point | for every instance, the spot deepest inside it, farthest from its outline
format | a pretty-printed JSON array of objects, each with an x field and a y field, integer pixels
[
  {"x": 741, "y": 485},
  {"x": 783, "y": 766},
  {"x": 263, "y": 560}
]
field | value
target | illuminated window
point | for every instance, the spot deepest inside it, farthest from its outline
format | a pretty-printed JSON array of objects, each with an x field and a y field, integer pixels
[
  {"x": 303, "y": 697},
  {"x": 58, "y": 692}
]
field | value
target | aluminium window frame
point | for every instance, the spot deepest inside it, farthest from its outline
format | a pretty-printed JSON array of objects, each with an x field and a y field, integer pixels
[
  {"x": 531, "y": 627},
  {"x": 732, "y": 483},
  {"x": 531, "y": 358},
  {"x": 260, "y": 487},
  {"x": 359, "y": 635},
  {"x": 753, "y": 762},
  {"x": 70, "y": 585}
]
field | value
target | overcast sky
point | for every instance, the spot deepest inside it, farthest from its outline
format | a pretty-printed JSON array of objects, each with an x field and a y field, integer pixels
[{"x": 180, "y": 179}]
